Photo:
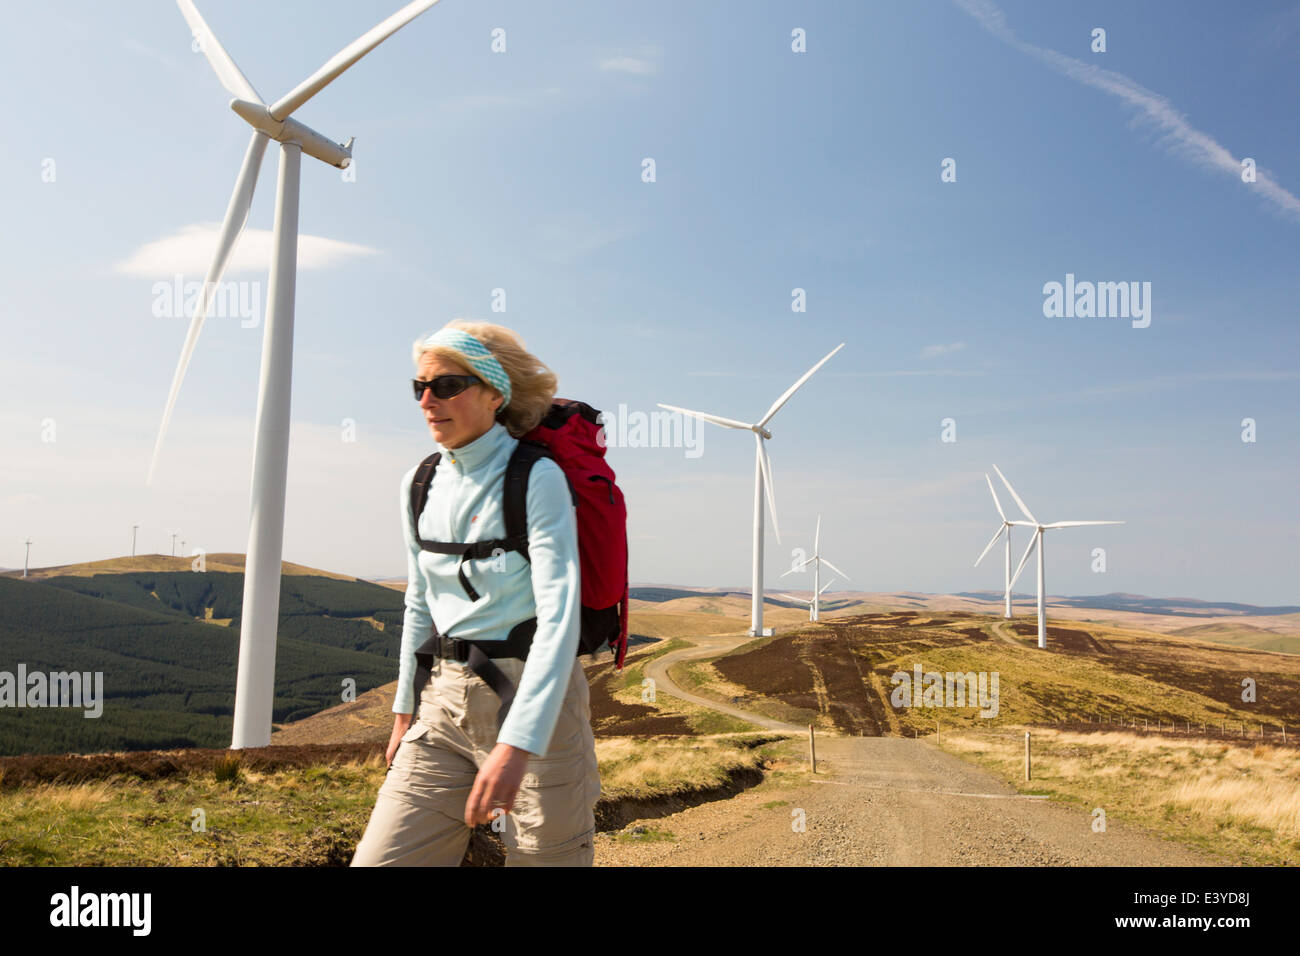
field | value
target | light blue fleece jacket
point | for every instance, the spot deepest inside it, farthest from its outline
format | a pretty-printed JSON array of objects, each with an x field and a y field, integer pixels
[{"x": 466, "y": 504}]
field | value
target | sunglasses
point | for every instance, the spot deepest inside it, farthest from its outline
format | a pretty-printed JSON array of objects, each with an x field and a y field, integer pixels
[{"x": 444, "y": 386}]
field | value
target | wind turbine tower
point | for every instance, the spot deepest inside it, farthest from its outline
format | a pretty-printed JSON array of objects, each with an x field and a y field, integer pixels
[
  {"x": 255, "y": 683},
  {"x": 762, "y": 484},
  {"x": 1036, "y": 541}
]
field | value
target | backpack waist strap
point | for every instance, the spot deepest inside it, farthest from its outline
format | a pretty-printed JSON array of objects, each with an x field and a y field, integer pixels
[{"x": 478, "y": 655}]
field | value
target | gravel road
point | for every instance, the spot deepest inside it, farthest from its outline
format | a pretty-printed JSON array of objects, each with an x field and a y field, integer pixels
[{"x": 879, "y": 801}]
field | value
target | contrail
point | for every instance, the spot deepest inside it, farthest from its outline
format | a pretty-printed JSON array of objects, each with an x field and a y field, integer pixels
[{"x": 1180, "y": 137}]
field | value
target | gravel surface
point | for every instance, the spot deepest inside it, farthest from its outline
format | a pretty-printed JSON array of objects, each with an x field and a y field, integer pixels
[{"x": 887, "y": 801}]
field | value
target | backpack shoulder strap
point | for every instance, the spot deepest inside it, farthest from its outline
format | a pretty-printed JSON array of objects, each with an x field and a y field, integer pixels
[
  {"x": 515, "y": 495},
  {"x": 420, "y": 491}
]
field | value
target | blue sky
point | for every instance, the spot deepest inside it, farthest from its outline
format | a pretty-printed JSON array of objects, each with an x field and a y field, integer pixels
[{"x": 775, "y": 170}]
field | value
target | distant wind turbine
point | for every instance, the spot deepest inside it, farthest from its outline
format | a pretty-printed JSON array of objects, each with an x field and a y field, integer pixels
[
  {"x": 1037, "y": 541},
  {"x": 255, "y": 681},
  {"x": 1005, "y": 532},
  {"x": 762, "y": 482},
  {"x": 27, "y": 556},
  {"x": 813, "y": 602},
  {"x": 816, "y": 561}
]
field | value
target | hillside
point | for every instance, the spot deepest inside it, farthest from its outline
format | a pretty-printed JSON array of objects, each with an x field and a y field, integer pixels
[
  {"x": 1226, "y": 622},
  {"x": 166, "y": 641},
  {"x": 166, "y": 644},
  {"x": 219, "y": 561},
  {"x": 838, "y": 674}
]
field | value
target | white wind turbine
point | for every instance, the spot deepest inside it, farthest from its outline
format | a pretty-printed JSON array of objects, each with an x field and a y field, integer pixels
[
  {"x": 762, "y": 482},
  {"x": 255, "y": 687},
  {"x": 812, "y": 603},
  {"x": 816, "y": 561},
  {"x": 1037, "y": 540},
  {"x": 1003, "y": 531}
]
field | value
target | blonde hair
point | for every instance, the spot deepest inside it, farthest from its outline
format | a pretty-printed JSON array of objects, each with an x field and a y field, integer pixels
[{"x": 532, "y": 383}]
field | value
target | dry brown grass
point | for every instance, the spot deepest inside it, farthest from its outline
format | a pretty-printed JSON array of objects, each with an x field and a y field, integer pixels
[
  {"x": 640, "y": 768},
  {"x": 1241, "y": 803},
  {"x": 64, "y": 797}
]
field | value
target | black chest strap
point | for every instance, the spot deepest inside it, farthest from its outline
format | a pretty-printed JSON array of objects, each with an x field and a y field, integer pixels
[{"x": 514, "y": 505}]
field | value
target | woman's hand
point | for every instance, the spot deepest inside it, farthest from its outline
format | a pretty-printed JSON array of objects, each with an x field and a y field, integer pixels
[
  {"x": 496, "y": 784},
  {"x": 401, "y": 724}
]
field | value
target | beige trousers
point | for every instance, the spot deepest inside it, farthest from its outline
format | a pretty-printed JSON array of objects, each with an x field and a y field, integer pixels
[{"x": 419, "y": 815}]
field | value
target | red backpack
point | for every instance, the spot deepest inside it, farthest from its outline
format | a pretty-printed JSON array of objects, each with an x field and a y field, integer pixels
[{"x": 570, "y": 435}]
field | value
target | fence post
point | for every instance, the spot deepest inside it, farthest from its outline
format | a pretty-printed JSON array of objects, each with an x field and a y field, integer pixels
[
  {"x": 1027, "y": 772},
  {"x": 812, "y": 748}
]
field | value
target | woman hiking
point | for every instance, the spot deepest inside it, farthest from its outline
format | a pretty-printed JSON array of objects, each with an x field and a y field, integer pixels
[{"x": 450, "y": 767}]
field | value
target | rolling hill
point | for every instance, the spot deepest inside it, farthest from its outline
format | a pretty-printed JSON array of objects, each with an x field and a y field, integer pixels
[
  {"x": 166, "y": 643},
  {"x": 166, "y": 639}
]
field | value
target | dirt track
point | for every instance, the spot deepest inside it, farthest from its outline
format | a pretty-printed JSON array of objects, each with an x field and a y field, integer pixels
[
  {"x": 877, "y": 801},
  {"x": 890, "y": 801},
  {"x": 706, "y": 647}
]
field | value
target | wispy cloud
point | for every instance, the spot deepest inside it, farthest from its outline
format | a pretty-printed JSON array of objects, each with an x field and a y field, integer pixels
[
  {"x": 1175, "y": 381},
  {"x": 883, "y": 373},
  {"x": 934, "y": 351},
  {"x": 134, "y": 45},
  {"x": 907, "y": 373},
  {"x": 491, "y": 101},
  {"x": 574, "y": 236},
  {"x": 1180, "y": 137},
  {"x": 1283, "y": 26},
  {"x": 644, "y": 63},
  {"x": 189, "y": 251}
]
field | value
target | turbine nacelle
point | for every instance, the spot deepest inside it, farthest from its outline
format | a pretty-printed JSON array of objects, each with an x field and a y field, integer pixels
[{"x": 289, "y": 130}]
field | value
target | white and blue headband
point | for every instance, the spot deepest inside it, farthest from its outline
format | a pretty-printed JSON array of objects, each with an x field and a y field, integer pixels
[{"x": 476, "y": 355}]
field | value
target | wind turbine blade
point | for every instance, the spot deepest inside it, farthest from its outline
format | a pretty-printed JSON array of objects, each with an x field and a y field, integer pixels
[
  {"x": 791, "y": 597},
  {"x": 716, "y": 419},
  {"x": 767, "y": 484},
  {"x": 801, "y": 567},
  {"x": 992, "y": 541},
  {"x": 1015, "y": 496},
  {"x": 776, "y": 406},
  {"x": 346, "y": 57},
  {"x": 1033, "y": 540},
  {"x": 1077, "y": 524},
  {"x": 817, "y": 537},
  {"x": 997, "y": 504},
  {"x": 834, "y": 568},
  {"x": 231, "y": 229},
  {"x": 229, "y": 74},
  {"x": 826, "y": 585}
]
